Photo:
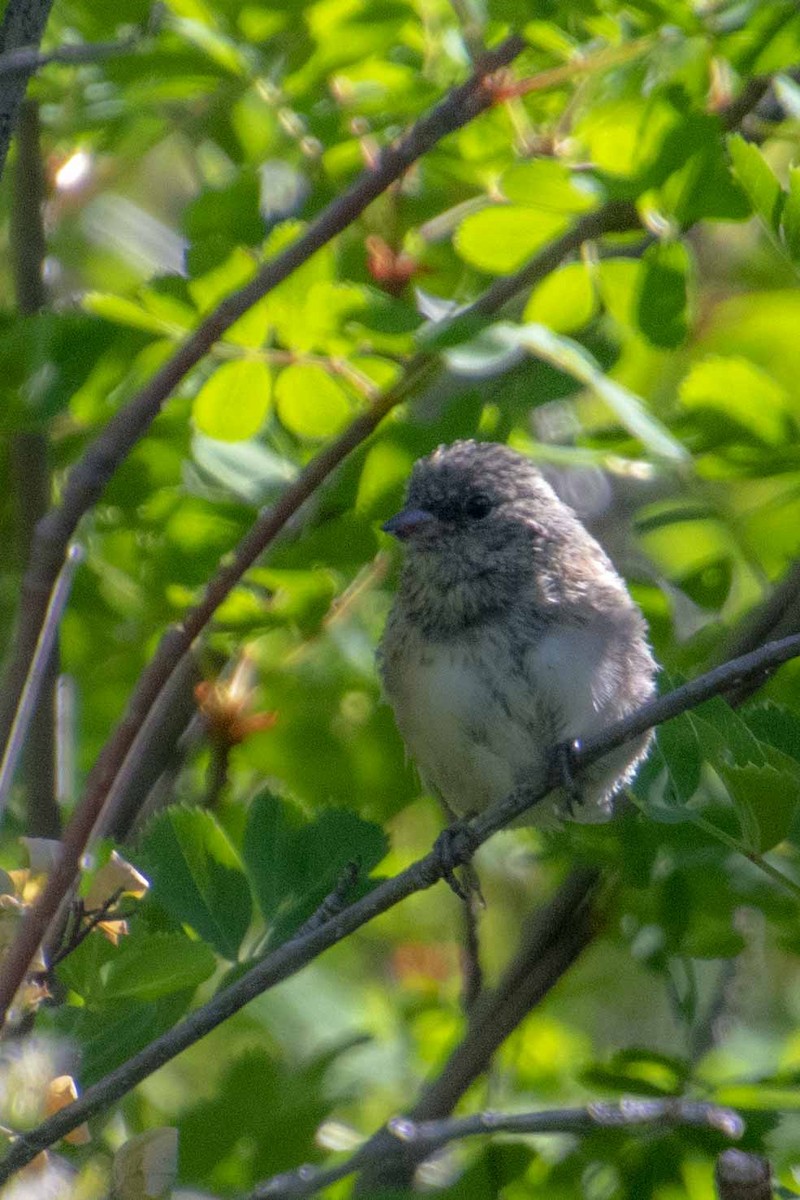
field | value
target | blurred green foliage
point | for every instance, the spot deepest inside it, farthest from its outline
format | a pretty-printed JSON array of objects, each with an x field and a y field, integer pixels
[{"x": 653, "y": 375}]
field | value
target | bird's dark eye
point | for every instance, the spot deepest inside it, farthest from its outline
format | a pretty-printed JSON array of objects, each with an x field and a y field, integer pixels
[{"x": 477, "y": 505}]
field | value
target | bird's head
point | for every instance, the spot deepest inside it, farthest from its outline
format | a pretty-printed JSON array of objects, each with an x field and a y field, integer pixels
[{"x": 476, "y": 518}]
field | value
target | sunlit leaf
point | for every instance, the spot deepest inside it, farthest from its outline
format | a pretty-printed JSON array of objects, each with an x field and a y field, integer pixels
[
  {"x": 549, "y": 185},
  {"x": 758, "y": 180},
  {"x": 310, "y": 404},
  {"x": 565, "y": 301},
  {"x": 500, "y": 240},
  {"x": 738, "y": 391},
  {"x": 233, "y": 403}
]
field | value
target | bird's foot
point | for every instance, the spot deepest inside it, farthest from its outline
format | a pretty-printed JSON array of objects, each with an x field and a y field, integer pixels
[
  {"x": 454, "y": 848},
  {"x": 565, "y": 758}
]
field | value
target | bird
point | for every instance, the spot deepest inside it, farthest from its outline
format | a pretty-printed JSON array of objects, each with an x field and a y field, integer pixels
[{"x": 511, "y": 633}]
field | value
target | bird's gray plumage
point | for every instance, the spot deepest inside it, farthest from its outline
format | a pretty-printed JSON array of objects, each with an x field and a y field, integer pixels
[{"x": 511, "y": 631}]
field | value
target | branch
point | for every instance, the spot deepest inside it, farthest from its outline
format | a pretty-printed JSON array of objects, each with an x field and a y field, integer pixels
[
  {"x": 24, "y": 23},
  {"x": 552, "y": 939},
  {"x": 290, "y": 958},
  {"x": 30, "y": 460},
  {"x": 741, "y": 1176},
  {"x": 429, "y": 1136},
  {"x": 38, "y": 673},
  {"x": 28, "y": 59},
  {"x": 178, "y": 640},
  {"x": 88, "y": 478}
]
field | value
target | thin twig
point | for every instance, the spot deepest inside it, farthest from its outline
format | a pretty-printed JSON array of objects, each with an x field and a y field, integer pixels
[
  {"x": 427, "y": 1136},
  {"x": 84, "y": 924},
  {"x": 217, "y": 774},
  {"x": 88, "y": 478},
  {"x": 334, "y": 902},
  {"x": 178, "y": 640},
  {"x": 290, "y": 958},
  {"x": 29, "y": 59},
  {"x": 38, "y": 670},
  {"x": 552, "y": 939}
]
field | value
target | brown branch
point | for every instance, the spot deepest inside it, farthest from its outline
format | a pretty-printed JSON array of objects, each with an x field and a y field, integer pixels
[
  {"x": 741, "y": 1176},
  {"x": 30, "y": 460},
  {"x": 553, "y": 938},
  {"x": 777, "y": 616},
  {"x": 37, "y": 674},
  {"x": 290, "y": 958},
  {"x": 178, "y": 640},
  {"x": 24, "y": 23},
  {"x": 90, "y": 475},
  {"x": 88, "y": 478},
  {"x": 425, "y": 1137}
]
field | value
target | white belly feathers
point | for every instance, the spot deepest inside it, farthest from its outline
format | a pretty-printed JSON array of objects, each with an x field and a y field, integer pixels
[{"x": 478, "y": 723}]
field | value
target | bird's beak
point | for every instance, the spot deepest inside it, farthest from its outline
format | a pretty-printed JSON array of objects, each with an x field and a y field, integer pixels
[{"x": 407, "y": 522}]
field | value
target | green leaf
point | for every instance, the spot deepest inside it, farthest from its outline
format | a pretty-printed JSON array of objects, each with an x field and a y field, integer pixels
[
  {"x": 773, "y": 724},
  {"x": 500, "y": 240},
  {"x": 129, "y": 312},
  {"x": 260, "y": 1118},
  {"x": 294, "y": 864},
  {"x": 197, "y": 876},
  {"x": 758, "y": 180},
  {"x": 724, "y": 736},
  {"x": 763, "y": 783},
  {"x": 310, "y": 404},
  {"x": 572, "y": 358},
  {"x": 735, "y": 390},
  {"x": 766, "y": 802},
  {"x": 545, "y": 183},
  {"x": 245, "y": 471},
  {"x": 641, "y": 1072},
  {"x": 110, "y": 1034},
  {"x": 233, "y": 404},
  {"x": 146, "y": 968},
  {"x": 790, "y": 221},
  {"x": 565, "y": 301},
  {"x": 299, "y": 598},
  {"x": 712, "y": 936},
  {"x": 679, "y": 746},
  {"x": 662, "y": 303}
]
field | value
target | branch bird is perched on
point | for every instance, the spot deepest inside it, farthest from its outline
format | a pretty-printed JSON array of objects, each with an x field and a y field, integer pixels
[{"x": 511, "y": 633}]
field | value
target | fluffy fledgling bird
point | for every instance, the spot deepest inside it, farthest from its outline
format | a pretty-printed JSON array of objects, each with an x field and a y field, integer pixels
[{"x": 511, "y": 632}]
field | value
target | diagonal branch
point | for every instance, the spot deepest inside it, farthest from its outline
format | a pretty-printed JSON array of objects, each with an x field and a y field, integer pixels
[
  {"x": 614, "y": 217},
  {"x": 89, "y": 476},
  {"x": 290, "y": 958},
  {"x": 553, "y": 937}
]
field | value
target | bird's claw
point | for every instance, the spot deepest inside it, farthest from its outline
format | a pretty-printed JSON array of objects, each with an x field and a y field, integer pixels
[
  {"x": 573, "y": 797},
  {"x": 454, "y": 847}
]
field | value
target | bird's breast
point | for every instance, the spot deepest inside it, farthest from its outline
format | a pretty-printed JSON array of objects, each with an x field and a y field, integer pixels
[{"x": 469, "y": 717}]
